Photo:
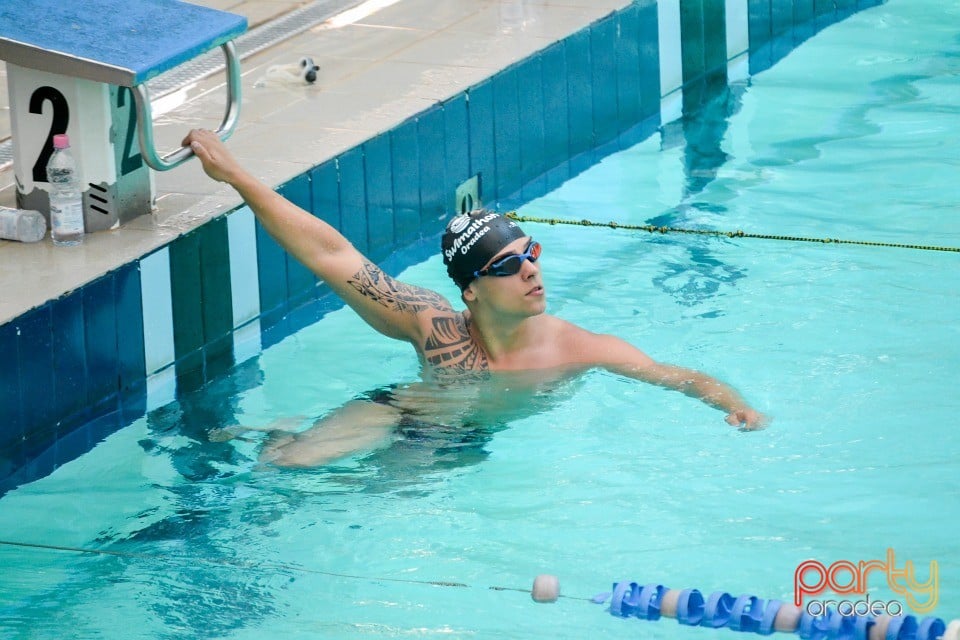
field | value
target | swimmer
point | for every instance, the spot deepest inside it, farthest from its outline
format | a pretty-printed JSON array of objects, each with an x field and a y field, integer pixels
[{"x": 504, "y": 328}]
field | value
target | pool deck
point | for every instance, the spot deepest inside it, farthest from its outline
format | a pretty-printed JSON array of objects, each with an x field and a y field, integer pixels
[{"x": 376, "y": 71}]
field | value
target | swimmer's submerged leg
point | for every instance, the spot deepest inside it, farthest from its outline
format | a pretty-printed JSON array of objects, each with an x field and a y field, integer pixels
[
  {"x": 239, "y": 431},
  {"x": 359, "y": 425}
]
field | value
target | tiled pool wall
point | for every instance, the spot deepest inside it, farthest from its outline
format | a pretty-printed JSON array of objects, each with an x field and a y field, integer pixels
[{"x": 79, "y": 367}]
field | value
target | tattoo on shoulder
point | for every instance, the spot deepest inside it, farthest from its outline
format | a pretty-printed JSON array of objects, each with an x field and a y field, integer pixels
[
  {"x": 373, "y": 283},
  {"x": 450, "y": 347}
]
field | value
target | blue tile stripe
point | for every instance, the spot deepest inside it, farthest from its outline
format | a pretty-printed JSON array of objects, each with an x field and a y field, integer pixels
[
  {"x": 481, "y": 150},
  {"x": 130, "y": 329},
  {"x": 556, "y": 115},
  {"x": 626, "y": 58},
  {"x": 523, "y": 131},
  {"x": 603, "y": 77},
  {"x": 703, "y": 50},
  {"x": 405, "y": 160},
  {"x": 432, "y": 167},
  {"x": 650, "y": 56},
  {"x": 378, "y": 185},
  {"x": 69, "y": 356},
  {"x": 353, "y": 208},
  {"x": 35, "y": 368},
  {"x": 12, "y": 432},
  {"x": 100, "y": 329},
  {"x": 506, "y": 137},
  {"x": 456, "y": 135},
  {"x": 300, "y": 280},
  {"x": 579, "y": 99},
  {"x": 532, "y": 136}
]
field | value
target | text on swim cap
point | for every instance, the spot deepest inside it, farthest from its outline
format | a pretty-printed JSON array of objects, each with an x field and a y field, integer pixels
[
  {"x": 458, "y": 244},
  {"x": 466, "y": 248}
]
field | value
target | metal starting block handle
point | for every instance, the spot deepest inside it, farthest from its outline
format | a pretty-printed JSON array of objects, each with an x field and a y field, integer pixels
[{"x": 230, "y": 117}]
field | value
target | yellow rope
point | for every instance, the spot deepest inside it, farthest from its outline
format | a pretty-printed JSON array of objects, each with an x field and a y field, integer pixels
[{"x": 513, "y": 215}]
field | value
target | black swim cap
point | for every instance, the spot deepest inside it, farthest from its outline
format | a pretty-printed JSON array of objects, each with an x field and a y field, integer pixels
[{"x": 471, "y": 239}]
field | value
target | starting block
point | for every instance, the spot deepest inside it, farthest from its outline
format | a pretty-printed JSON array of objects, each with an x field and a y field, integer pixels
[{"x": 81, "y": 68}]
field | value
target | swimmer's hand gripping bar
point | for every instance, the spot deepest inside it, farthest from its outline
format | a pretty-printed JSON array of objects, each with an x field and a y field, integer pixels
[{"x": 181, "y": 155}]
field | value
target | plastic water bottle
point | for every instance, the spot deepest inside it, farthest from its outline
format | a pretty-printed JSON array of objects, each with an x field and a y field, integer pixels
[
  {"x": 66, "y": 199},
  {"x": 22, "y": 225}
]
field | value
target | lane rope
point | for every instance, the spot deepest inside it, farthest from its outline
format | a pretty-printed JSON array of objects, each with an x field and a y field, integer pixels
[
  {"x": 650, "y": 228},
  {"x": 631, "y": 599},
  {"x": 259, "y": 566}
]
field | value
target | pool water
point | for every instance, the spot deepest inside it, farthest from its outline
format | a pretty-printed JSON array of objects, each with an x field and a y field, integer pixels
[{"x": 853, "y": 350}]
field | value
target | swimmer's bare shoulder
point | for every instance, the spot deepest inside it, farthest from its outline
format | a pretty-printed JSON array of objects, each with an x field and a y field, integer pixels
[{"x": 575, "y": 345}]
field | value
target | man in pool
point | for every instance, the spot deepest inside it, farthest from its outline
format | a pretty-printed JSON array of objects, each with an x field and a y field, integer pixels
[{"x": 504, "y": 328}]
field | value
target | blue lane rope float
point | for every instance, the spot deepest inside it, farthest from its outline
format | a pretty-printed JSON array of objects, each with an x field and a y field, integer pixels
[
  {"x": 750, "y": 614},
  {"x": 649, "y": 228}
]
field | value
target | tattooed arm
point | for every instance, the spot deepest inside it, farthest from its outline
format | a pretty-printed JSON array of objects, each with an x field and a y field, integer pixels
[{"x": 389, "y": 306}]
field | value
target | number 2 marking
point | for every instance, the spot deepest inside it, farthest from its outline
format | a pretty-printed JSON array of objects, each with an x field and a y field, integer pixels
[
  {"x": 58, "y": 125},
  {"x": 129, "y": 162}
]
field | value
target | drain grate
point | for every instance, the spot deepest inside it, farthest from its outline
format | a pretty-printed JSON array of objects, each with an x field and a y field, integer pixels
[{"x": 257, "y": 39}]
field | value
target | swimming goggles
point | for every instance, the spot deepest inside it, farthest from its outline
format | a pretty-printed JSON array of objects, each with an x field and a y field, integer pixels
[{"x": 510, "y": 265}]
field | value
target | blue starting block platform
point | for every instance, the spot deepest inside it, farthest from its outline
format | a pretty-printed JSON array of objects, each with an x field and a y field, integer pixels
[
  {"x": 80, "y": 67},
  {"x": 120, "y": 42}
]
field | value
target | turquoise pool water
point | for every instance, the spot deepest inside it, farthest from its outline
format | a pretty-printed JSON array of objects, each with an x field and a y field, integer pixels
[{"x": 853, "y": 350}]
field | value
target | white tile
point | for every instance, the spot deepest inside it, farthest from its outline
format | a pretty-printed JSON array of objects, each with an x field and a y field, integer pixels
[
  {"x": 244, "y": 280},
  {"x": 157, "y": 302},
  {"x": 738, "y": 39},
  {"x": 246, "y": 342},
  {"x": 161, "y": 388},
  {"x": 671, "y": 107},
  {"x": 738, "y": 69},
  {"x": 671, "y": 64}
]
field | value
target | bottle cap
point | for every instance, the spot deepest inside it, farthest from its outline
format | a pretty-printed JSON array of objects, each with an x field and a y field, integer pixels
[{"x": 61, "y": 141}]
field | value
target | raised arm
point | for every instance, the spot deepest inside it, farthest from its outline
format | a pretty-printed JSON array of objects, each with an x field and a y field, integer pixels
[
  {"x": 389, "y": 306},
  {"x": 621, "y": 357}
]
